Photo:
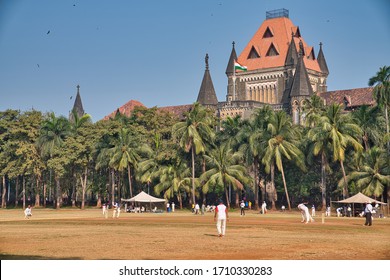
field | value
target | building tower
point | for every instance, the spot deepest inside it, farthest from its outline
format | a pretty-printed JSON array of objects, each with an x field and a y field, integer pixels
[
  {"x": 77, "y": 107},
  {"x": 272, "y": 60},
  {"x": 206, "y": 95}
]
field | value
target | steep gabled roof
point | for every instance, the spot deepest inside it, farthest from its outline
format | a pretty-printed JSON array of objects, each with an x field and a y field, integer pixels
[
  {"x": 284, "y": 33},
  {"x": 292, "y": 53},
  {"x": 207, "y": 94}
]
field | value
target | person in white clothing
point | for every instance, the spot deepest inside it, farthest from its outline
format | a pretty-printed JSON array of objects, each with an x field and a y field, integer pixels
[
  {"x": 27, "y": 212},
  {"x": 114, "y": 210},
  {"x": 305, "y": 213},
  {"x": 173, "y": 206},
  {"x": 327, "y": 212},
  {"x": 313, "y": 211},
  {"x": 264, "y": 208},
  {"x": 221, "y": 216},
  {"x": 197, "y": 208},
  {"x": 105, "y": 211}
]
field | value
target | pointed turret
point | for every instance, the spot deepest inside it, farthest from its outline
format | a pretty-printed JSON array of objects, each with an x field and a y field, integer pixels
[
  {"x": 207, "y": 96},
  {"x": 301, "y": 84},
  {"x": 232, "y": 59},
  {"x": 322, "y": 62},
  {"x": 78, "y": 106},
  {"x": 292, "y": 53}
]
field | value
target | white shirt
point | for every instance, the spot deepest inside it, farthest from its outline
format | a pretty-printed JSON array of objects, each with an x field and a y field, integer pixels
[
  {"x": 368, "y": 208},
  {"x": 302, "y": 207},
  {"x": 221, "y": 214},
  {"x": 27, "y": 212},
  {"x": 242, "y": 205}
]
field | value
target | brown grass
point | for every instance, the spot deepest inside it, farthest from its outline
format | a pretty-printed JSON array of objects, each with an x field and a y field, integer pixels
[{"x": 86, "y": 235}]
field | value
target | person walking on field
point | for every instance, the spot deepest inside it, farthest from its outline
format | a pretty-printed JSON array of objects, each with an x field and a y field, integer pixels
[
  {"x": 221, "y": 215},
  {"x": 242, "y": 207},
  {"x": 368, "y": 213},
  {"x": 105, "y": 212},
  {"x": 27, "y": 212},
  {"x": 264, "y": 208}
]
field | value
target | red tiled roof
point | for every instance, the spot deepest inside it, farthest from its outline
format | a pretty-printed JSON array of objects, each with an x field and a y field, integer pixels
[
  {"x": 125, "y": 109},
  {"x": 354, "y": 97},
  {"x": 282, "y": 29},
  {"x": 178, "y": 110}
]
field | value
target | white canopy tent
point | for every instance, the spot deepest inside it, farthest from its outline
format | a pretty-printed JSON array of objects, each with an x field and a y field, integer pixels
[
  {"x": 144, "y": 198},
  {"x": 359, "y": 198}
]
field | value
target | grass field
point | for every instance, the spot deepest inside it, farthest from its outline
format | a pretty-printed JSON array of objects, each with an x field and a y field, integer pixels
[{"x": 87, "y": 235}]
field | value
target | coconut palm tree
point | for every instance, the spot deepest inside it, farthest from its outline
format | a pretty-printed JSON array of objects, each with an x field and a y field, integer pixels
[
  {"x": 174, "y": 179},
  {"x": 282, "y": 137},
  {"x": 341, "y": 132},
  {"x": 193, "y": 133},
  {"x": 368, "y": 119},
  {"x": 381, "y": 93},
  {"x": 224, "y": 170},
  {"x": 53, "y": 132},
  {"x": 313, "y": 108},
  {"x": 127, "y": 152},
  {"x": 373, "y": 176}
]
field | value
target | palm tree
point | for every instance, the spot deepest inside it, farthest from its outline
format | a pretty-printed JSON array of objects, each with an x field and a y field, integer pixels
[
  {"x": 373, "y": 176},
  {"x": 313, "y": 108},
  {"x": 229, "y": 133},
  {"x": 281, "y": 138},
  {"x": 193, "y": 133},
  {"x": 224, "y": 171},
  {"x": 319, "y": 145},
  {"x": 126, "y": 153},
  {"x": 253, "y": 145},
  {"x": 173, "y": 179},
  {"x": 367, "y": 118},
  {"x": 381, "y": 93},
  {"x": 341, "y": 132},
  {"x": 52, "y": 136}
]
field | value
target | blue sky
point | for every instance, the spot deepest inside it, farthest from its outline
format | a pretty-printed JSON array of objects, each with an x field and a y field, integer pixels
[{"x": 153, "y": 51}]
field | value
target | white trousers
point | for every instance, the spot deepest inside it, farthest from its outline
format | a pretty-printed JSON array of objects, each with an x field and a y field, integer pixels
[{"x": 221, "y": 226}]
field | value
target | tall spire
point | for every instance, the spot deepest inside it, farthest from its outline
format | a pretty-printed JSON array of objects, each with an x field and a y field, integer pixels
[
  {"x": 207, "y": 96},
  {"x": 78, "y": 106},
  {"x": 292, "y": 53},
  {"x": 301, "y": 85},
  {"x": 233, "y": 57},
  {"x": 322, "y": 62}
]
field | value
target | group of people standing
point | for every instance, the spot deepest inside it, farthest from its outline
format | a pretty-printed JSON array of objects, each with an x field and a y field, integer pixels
[{"x": 116, "y": 210}]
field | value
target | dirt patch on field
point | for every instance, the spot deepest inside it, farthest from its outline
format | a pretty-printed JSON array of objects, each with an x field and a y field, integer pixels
[{"x": 76, "y": 234}]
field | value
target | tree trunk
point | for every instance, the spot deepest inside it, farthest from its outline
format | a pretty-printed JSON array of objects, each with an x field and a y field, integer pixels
[
  {"x": 37, "y": 191},
  {"x": 180, "y": 200},
  {"x": 273, "y": 207},
  {"x": 323, "y": 181},
  {"x": 3, "y": 202},
  {"x": 193, "y": 173},
  {"x": 130, "y": 184},
  {"x": 74, "y": 183},
  {"x": 285, "y": 188},
  {"x": 387, "y": 127},
  {"x": 227, "y": 198},
  {"x": 17, "y": 192},
  {"x": 44, "y": 194},
  {"x": 112, "y": 186},
  {"x": 345, "y": 189},
  {"x": 257, "y": 183},
  {"x": 84, "y": 186},
  {"x": 58, "y": 192},
  {"x": 24, "y": 192}
]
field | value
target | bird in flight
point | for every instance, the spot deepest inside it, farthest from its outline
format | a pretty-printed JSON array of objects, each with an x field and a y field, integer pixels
[{"x": 48, "y": 32}]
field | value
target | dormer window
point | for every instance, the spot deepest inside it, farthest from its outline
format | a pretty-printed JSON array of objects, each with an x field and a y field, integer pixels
[
  {"x": 268, "y": 33},
  {"x": 272, "y": 51},
  {"x": 253, "y": 53}
]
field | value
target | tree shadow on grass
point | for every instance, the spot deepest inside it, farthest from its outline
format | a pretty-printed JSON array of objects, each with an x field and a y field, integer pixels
[{"x": 31, "y": 257}]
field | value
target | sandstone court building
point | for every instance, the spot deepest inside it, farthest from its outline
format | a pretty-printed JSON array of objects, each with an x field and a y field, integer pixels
[{"x": 278, "y": 68}]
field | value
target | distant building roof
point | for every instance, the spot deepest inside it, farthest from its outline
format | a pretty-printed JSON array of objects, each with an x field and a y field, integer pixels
[
  {"x": 125, "y": 109},
  {"x": 350, "y": 98}
]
